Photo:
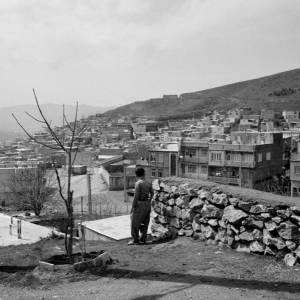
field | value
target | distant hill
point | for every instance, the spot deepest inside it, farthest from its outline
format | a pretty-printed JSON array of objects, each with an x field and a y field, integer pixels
[
  {"x": 9, "y": 127},
  {"x": 279, "y": 92}
]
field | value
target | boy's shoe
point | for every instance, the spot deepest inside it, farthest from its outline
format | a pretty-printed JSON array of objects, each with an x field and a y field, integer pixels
[{"x": 130, "y": 243}]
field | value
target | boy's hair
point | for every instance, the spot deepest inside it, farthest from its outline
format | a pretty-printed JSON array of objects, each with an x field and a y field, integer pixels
[{"x": 139, "y": 172}]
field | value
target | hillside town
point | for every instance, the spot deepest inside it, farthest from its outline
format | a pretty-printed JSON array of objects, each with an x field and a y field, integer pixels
[{"x": 237, "y": 147}]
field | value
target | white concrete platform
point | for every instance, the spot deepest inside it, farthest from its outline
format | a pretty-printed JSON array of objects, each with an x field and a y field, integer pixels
[
  {"x": 31, "y": 233},
  {"x": 114, "y": 228}
]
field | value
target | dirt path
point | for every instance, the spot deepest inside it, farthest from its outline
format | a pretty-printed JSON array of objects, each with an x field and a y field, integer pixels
[{"x": 181, "y": 269}]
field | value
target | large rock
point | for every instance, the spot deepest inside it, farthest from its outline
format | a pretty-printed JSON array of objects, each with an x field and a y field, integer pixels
[
  {"x": 196, "y": 204},
  {"x": 284, "y": 213},
  {"x": 177, "y": 212},
  {"x": 165, "y": 187},
  {"x": 291, "y": 245},
  {"x": 188, "y": 232},
  {"x": 295, "y": 210},
  {"x": 170, "y": 211},
  {"x": 295, "y": 219},
  {"x": 186, "y": 214},
  {"x": 297, "y": 252},
  {"x": 246, "y": 236},
  {"x": 245, "y": 206},
  {"x": 241, "y": 247},
  {"x": 257, "y": 247},
  {"x": 288, "y": 231},
  {"x": 208, "y": 232},
  {"x": 196, "y": 227},
  {"x": 221, "y": 236},
  {"x": 182, "y": 201},
  {"x": 277, "y": 220},
  {"x": 204, "y": 195},
  {"x": 171, "y": 202},
  {"x": 156, "y": 185},
  {"x": 251, "y": 222},
  {"x": 160, "y": 232},
  {"x": 270, "y": 226},
  {"x": 174, "y": 222},
  {"x": 234, "y": 201},
  {"x": 233, "y": 216},
  {"x": 213, "y": 222},
  {"x": 290, "y": 259},
  {"x": 257, "y": 234},
  {"x": 158, "y": 207},
  {"x": 210, "y": 211},
  {"x": 219, "y": 199},
  {"x": 270, "y": 251},
  {"x": 258, "y": 209},
  {"x": 275, "y": 241}
]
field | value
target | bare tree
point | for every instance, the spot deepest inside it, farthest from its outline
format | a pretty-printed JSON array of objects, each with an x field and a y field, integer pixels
[
  {"x": 30, "y": 188},
  {"x": 67, "y": 145}
]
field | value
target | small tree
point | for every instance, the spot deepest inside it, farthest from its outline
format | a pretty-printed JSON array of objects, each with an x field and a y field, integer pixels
[
  {"x": 66, "y": 143},
  {"x": 30, "y": 188}
]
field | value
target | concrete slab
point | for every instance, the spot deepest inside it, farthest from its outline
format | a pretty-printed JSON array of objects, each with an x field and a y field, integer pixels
[
  {"x": 115, "y": 228},
  {"x": 31, "y": 233}
]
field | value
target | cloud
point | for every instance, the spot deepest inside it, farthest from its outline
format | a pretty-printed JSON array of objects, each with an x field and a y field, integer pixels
[{"x": 128, "y": 49}]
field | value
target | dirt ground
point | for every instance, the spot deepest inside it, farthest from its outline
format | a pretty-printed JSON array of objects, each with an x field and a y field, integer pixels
[{"x": 179, "y": 269}]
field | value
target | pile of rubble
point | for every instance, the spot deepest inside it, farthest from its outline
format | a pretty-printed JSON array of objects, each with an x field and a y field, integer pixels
[{"x": 209, "y": 213}]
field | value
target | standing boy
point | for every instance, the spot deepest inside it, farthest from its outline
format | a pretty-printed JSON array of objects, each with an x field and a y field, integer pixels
[{"x": 141, "y": 208}]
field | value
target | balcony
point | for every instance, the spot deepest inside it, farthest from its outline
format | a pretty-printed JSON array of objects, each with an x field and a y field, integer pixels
[
  {"x": 195, "y": 159},
  {"x": 225, "y": 180},
  {"x": 239, "y": 164},
  {"x": 295, "y": 157}
]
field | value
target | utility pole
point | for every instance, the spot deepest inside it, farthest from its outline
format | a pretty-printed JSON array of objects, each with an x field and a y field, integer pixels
[
  {"x": 88, "y": 177},
  {"x": 125, "y": 182}
]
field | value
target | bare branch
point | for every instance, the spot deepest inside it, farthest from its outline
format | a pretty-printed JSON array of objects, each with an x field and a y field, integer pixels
[
  {"x": 47, "y": 123},
  {"x": 34, "y": 118},
  {"x": 67, "y": 122},
  {"x": 32, "y": 137}
]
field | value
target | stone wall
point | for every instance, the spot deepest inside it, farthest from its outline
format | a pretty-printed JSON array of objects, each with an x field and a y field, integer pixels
[{"x": 264, "y": 224}]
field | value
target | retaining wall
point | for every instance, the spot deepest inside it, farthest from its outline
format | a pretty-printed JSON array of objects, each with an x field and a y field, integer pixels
[{"x": 243, "y": 219}]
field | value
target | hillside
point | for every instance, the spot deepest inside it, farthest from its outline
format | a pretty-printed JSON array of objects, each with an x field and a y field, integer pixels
[
  {"x": 279, "y": 91},
  {"x": 52, "y": 111}
]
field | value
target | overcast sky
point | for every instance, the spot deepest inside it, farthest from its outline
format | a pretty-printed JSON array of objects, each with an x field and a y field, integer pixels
[{"x": 112, "y": 52}]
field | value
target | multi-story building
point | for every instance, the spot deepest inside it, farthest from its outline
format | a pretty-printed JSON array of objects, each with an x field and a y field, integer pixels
[
  {"x": 295, "y": 172},
  {"x": 163, "y": 160},
  {"x": 293, "y": 119},
  {"x": 249, "y": 159},
  {"x": 193, "y": 159}
]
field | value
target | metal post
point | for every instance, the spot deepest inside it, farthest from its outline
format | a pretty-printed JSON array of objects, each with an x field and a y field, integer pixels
[
  {"x": 125, "y": 182},
  {"x": 89, "y": 193},
  {"x": 19, "y": 228}
]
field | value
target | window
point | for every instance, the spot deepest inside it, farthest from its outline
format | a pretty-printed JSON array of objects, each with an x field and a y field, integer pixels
[
  {"x": 160, "y": 173},
  {"x": 203, "y": 169},
  {"x": 236, "y": 156},
  {"x": 160, "y": 157},
  {"x": 248, "y": 157},
  {"x": 259, "y": 157},
  {"x": 153, "y": 173},
  {"x": 203, "y": 152},
  {"x": 297, "y": 170},
  {"x": 192, "y": 169},
  {"x": 228, "y": 156},
  {"x": 216, "y": 156},
  {"x": 190, "y": 152},
  {"x": 152, "y": 158},
  {"x": 268, "y": 156}
]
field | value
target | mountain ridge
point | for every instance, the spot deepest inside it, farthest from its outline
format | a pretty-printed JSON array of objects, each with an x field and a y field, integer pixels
[{"x": 278, "y": 92}]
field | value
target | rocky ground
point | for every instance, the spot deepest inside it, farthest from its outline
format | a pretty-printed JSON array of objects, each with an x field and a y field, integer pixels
[{"x": 179, "y": 269}]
